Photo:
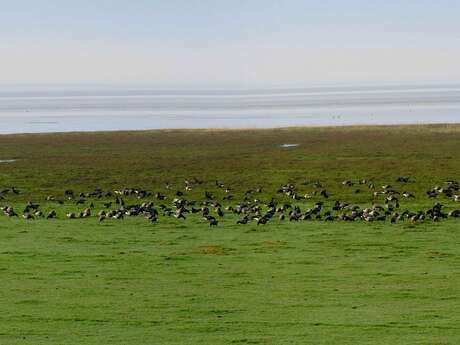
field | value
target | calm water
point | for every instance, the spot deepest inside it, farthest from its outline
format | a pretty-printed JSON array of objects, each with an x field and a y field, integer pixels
[{"x": 45, "y": 109}]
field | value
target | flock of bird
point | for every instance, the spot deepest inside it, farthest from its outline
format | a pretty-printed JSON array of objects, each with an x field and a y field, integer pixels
[{"x": 289, "y": 204}]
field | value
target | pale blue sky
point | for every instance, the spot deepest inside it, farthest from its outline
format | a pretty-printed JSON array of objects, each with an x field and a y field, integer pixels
[{"x": 237, "y": 42}]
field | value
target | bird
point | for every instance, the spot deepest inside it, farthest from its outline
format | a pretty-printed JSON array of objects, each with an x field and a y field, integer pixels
[
  {"x": 51, "y": 214},
  {"x": 243, "y": 220},
  {"x": 408, "y": 195},
  {"x": 212, "y": 220},
  {"x": 71, "y": 215}
]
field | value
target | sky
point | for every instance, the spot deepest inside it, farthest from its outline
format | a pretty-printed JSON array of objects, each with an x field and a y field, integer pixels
[{"x": 229, "y": 42}]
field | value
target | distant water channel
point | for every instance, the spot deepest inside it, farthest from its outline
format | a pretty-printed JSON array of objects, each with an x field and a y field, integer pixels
[{"x": 62, "y": 109}]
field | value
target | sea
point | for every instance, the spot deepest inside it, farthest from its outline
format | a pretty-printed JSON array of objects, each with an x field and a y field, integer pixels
[{"x": 66, "y": 108}]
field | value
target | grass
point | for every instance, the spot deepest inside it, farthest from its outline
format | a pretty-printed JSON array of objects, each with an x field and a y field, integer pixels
[
  {"x": 48, "y": 163},
  {"x": 180, "y": 282}
]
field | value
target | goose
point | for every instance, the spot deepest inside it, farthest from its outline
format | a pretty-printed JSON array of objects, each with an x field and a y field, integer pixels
[
  {"x": 306, "y": 216},
  {"x": 153, "y": 218},
  {"x": 394, "y": 218},
  {"x": 216, "y": 205},
  {"x": 262, "y": 220},
  {"x": 408, "y": 195},
  {"x": 339, "y": 206},
  {"x": 402, "y": 179},
  {"x": 118, "y": 215},
  {"x": 50, "y": 198},
  {"x": 212, "y": 221},
  {"x": 160, "y": 196},
  {"x": 31, "y": 205},
  {"x": 432, "y": 194},
  {"x": 51, "y": 214},
  {"x": 328, "y": 218},
  {"x": 454, "y": 214},
  {"x": 381, "y": 218},
  {"x": 9, "y": 211},
  {"x": 180, "y": 215},
  {"x": 69, "y": 193},
  {"x": 243, "y": 220},
  {"x": 391, "y": 199},
  {"x": 71, "y": 215},
  {"x": 294, "y": 217},
  {"x": 368, "y": 218}
]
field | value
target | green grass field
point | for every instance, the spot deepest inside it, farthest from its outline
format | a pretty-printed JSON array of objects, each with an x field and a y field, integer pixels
[{"x": 78, "y": 281}]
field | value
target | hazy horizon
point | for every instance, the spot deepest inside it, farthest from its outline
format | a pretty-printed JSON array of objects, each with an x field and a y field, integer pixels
[{"x": 238, "y": 43}]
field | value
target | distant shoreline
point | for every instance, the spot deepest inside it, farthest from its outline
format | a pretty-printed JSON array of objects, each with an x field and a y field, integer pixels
[{"x": 440, "y": 125}]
